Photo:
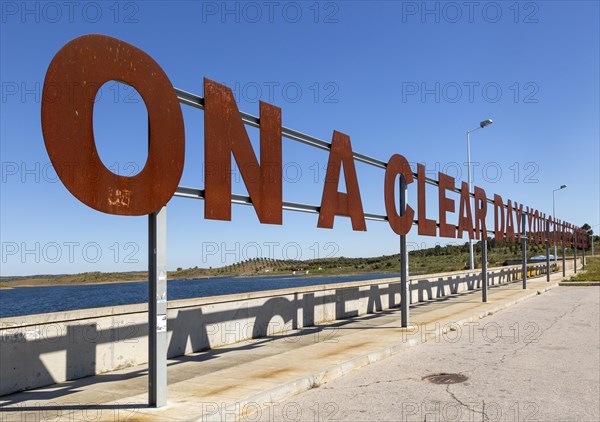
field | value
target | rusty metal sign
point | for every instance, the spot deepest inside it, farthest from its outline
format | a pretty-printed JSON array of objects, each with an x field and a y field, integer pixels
[{"x": 89, "y": 61}]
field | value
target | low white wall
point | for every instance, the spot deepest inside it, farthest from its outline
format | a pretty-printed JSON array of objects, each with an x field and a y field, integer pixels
[{"x": 43, "y": 349}]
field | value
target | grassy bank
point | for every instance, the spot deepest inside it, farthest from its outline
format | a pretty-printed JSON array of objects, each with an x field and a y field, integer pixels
[
  {"x": 72, "y": 279},
  {"x": 423, "y": 261},
  {"x": 591, "y": 273}
]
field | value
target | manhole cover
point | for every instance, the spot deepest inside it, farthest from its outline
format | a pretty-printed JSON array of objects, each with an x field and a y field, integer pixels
[{"x": 446, "y": 378}]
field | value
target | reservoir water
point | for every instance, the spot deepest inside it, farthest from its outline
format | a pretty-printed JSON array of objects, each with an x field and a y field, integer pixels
[{"x": 43, "y": 299}]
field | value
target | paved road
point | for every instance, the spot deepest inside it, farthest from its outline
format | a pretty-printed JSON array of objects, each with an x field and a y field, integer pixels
[{"x": 536, "y": 361}]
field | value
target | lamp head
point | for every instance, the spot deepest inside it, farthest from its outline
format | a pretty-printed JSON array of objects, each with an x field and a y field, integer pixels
[
  {"x": 485, "y": 123},
  {"x": 563, "y": 186}
]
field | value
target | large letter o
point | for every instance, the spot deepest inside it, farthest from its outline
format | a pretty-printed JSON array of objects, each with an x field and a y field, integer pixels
[{"x": 77, "y": 72}]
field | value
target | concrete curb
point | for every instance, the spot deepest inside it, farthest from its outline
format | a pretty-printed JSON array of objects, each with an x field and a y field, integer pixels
[
  {"x": 579, "y": 283},
  {"x": 245, "y": 408}
]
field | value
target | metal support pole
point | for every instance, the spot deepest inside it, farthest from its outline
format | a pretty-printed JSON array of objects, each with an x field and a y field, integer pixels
[
  {"x": 484, "y": 275},
  {"x": 471, "y": 254},
  {"x": 583, "y": 257},
  {"x": 564, "y": 260},
  {"x": 157, "y": 308},
  {"x": 554, "y": 218},
  {"x": 404, "y": 290},
  {"x": 524, "y": 250},
  {"x": 575, "y": 253},
  {"x": 407, "y": 258},
  {"x": 554, "y": 226},
  {"x": 548, "y": 255}
]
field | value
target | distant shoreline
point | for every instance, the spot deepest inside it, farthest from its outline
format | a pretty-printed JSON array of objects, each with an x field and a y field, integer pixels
[
  {"x": 30, "y": 282},
  {"x": 45, "y": 282},
  {"x": 15, "y": 283},
  {"x": 423, "y": 261}
]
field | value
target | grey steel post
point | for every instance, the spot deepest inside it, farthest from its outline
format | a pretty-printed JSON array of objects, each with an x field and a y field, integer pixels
[
  {"x": 471, "y": 254},
  {"x": 564, "y": 265},
  {"x": 481, "y": 126},
  {"x": 484, "y": 275},
  {"x": 554, "y": 225},
  {"x": 575, "y": 252},
  {"x": 404, "y": 291},
  {"x": 548, "y": 254},
  {"x": 524, "y": 250},
  {"x": 554, "y": 218},
  {"x": 157, "y": 308},
  {"x": 583, "y": 257}
]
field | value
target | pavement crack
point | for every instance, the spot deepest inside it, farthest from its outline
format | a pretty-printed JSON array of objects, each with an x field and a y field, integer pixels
[
  {"x": 541, "y": 332},
  {"x": 386, "y": 382},
  {"x": 469, "y": 408}
]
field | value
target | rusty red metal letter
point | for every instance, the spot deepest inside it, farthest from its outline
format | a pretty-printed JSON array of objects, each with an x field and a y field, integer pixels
[
  {"x": 338, "y": 203},
  {"x": 397, "y": 165},
  {"x": 446, "y": 204},
  {"x": 224, "y": 135},
  {"x": 465, "y": 216},
  {"x": 67, "y": 125},
  {"x": 426, "y": 226}
]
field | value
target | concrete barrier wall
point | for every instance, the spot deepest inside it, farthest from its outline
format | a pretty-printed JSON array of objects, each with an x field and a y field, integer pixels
[{"x": 44, "y": 349}]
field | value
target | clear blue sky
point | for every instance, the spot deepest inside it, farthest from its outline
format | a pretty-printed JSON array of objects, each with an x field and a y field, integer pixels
[{"x": 398, "y": 77}]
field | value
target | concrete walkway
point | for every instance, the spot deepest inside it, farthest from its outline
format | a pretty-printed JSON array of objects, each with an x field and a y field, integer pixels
[
  {"x": 234, "y": 382},
  {"x": 540, "y": 361}
]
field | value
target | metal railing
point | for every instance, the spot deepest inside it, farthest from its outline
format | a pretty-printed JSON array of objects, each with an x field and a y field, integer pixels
[{"x": 197, "y": 101}]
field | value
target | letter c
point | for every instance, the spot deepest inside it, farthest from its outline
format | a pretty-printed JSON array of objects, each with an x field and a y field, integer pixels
[{"x": 400, "y": 223}]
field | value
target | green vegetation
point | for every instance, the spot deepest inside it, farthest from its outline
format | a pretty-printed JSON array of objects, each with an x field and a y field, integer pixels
[
  {"x": 421, "y": 261},
  {"x": 81, "y": 278},
  {"x": 591, "y": 273}
]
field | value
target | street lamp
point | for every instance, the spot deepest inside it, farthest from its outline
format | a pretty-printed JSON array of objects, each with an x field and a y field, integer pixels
[
  {"x": 595, "y": 225},
  {"x": 554, "y": 218},
  {"x": 481, "y": 126}
]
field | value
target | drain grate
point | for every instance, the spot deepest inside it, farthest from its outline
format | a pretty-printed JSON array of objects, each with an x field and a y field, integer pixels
[{"x": 445, "y": 378}]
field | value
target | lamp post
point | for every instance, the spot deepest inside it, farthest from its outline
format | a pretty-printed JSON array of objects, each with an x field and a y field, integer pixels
[
  {"x": 554, "y": 218},
  {"x": 481, "y": 126},
  {"x": 592, "y": 236}
]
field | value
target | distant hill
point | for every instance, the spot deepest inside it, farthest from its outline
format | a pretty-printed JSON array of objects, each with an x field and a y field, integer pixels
[{"x": 421, "y": 261}]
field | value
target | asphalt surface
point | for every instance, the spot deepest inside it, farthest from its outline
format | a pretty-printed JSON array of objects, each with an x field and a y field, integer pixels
[{"x": 538, "y": 360}]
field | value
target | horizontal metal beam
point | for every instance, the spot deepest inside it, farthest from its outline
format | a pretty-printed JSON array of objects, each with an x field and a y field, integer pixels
[
  {"x": 197, "y": 101},
  {"x": 189, "y": 99},
  {"x": 195, "y": 193}
]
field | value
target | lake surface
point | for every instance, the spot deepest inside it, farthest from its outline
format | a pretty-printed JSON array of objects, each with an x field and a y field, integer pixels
[{"x": 44, "y": 299}]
